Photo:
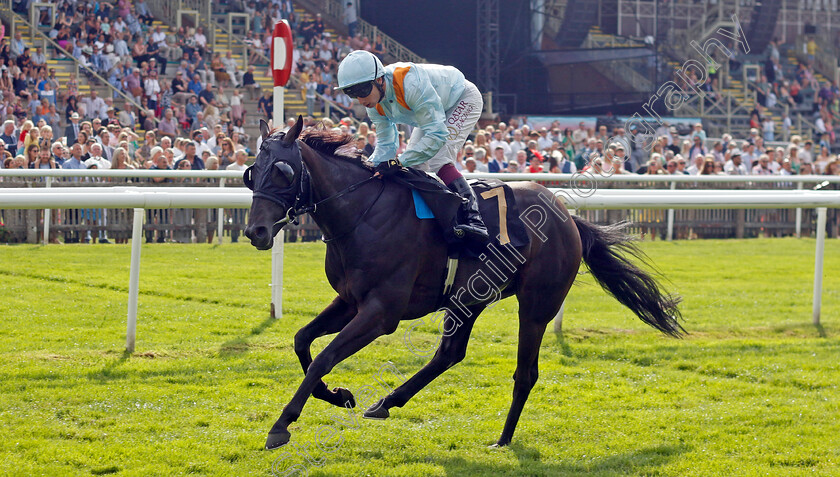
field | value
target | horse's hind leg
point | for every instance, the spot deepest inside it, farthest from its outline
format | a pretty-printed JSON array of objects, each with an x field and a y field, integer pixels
[
  {"x": 537, "y": 306},
  {"x": 526, "y": 374},
  {"x": 452, "y": 349},
  {"x": 332, "y": 320}
]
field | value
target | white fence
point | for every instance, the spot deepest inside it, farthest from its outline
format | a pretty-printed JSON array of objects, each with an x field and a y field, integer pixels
[
  {"x": 140, "y": 199},
  {"x": 583, "y": 183}
]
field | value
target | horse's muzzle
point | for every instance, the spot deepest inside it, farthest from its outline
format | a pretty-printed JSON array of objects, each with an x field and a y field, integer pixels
[{"x": 260, "y": 236}]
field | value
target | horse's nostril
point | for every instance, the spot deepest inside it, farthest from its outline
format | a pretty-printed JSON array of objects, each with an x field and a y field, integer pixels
[{"x": 258, "y": 234}]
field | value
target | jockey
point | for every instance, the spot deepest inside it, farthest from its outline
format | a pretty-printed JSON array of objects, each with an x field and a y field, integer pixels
[{"x": 438, "y": 101}]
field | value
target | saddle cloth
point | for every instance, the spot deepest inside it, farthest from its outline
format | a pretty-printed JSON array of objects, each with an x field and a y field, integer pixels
[{"x": 497, "y": 205}]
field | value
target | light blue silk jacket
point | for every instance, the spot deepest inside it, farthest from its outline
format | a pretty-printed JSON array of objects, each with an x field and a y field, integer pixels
[{"x": 417, "y": 95}]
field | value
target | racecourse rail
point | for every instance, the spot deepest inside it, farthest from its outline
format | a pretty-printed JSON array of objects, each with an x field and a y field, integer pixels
[{"x": 580, "y": 195}]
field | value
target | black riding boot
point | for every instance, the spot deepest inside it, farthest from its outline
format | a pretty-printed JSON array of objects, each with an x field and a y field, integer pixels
[{"x": 472, "y": 227}]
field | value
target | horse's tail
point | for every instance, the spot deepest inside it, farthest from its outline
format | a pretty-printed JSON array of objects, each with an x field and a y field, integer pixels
[{"x": 626, "y": 282}]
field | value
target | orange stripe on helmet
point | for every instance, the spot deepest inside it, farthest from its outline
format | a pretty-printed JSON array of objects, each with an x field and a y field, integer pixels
[{"x": 399, "y": 91}]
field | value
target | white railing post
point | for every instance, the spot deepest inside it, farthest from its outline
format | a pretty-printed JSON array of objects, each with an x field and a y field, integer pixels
[
  {"x": 818, "y": 263},
  {"x": 799, "y": 216},
  {"x": 221, "y": 216},
  {"x": 277, "y": 275},
  {"x": 47, "y": 216},
  {"x": 558, "y": 319},
  {"x": 670, "y": 235},
  {"x": 134, "y": 279}
]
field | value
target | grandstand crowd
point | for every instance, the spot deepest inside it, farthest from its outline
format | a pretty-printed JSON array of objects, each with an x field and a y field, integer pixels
[
  {"x": 196, "y": 119},
  {"x": 516, "y": 147}
]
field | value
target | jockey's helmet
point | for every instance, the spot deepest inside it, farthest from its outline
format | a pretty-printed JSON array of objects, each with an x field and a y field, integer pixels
[{"x": 360, "y": 67}]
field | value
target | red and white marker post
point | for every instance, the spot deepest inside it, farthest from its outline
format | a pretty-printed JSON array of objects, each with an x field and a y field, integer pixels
[{"x": 281, "y": 70}]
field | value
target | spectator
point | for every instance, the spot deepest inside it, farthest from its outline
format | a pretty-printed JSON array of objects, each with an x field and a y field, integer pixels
[
  {"x": 58, "y": 153},
  {"x": 38, "y": 58},
  {"x": 132, "y": 85},
  {"x": 236, "y": 110},
  {"x": 10, "y": 137},
  {"x": 239, "y": 164},
  {"x": 265, "y": 106},
  {"x": 17, "y": 46},
  {"x": 206, "y": 96},
  {"x": 192, "y": 109},
  {"x": 697, "y": 148},
  {"x": 734, "y": 165},
  {"x": 200, "y": 138},
  {"x": 200, "y": 41},
  {"x": 198, "y": 122},
  {"x": 226, "y": 153},
  {"x": 75, "y": 160},
  {"x": 96, "y": 160},
  {"x": 370, "y": 145},
  {"x": 152, "y": 89},
  {"x": 763, "y": 166},
  {"x": 378, "y": 48},
  {"x": 350, "y": 18},
  {"x": 311, "y": 88},
  {"x": 498, "y": 162},
  {"x": 180, "y": 92},
  {"x": 231, "y": 68},
  {"x": 481, "y": 160},
  {"x": 250, "y": 84},
  {"x": 749, "y": 155},
  {"x": 195, "y": 86},
  {"x": 220, "y": 74},
  {"x": 104, "y": 141},
  {"x": 168, "y": 126},
  {"x": 805, "y": 155},
  {"x": 190, "y": 159},
  {"x": 543, "y": 141}
]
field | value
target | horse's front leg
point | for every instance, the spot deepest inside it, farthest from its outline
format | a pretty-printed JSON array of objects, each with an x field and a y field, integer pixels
[
  {"x": 332, "y": 320},
  {"x": 369, "y": 323}
]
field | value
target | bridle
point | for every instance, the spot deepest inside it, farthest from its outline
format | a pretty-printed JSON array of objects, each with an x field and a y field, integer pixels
[{"x": 304, "y": 201}]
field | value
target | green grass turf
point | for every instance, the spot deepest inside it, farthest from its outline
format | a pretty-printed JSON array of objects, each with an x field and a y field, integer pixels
[{"x": 752, "y": 390}]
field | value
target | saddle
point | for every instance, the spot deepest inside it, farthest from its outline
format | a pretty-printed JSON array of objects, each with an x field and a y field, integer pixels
[{"x": 496, "y": 202}]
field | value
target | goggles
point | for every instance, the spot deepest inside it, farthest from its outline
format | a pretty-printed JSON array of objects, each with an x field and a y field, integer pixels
[{"x": 359, "y": 90}]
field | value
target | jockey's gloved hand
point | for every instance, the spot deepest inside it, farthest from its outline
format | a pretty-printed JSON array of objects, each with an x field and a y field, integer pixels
[{"x": 388, "y": 168}]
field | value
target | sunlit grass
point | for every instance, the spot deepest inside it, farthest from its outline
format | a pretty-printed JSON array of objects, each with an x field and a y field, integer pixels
[{"x": 752, "y": 390}]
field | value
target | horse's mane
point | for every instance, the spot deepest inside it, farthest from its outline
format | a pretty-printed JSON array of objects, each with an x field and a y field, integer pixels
[{"x": 334, "y": 143}]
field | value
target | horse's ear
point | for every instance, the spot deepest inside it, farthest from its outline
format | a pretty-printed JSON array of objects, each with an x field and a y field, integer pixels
[
  {"x": 293, "y": 132},
  {"x": 264, "y": 129}
]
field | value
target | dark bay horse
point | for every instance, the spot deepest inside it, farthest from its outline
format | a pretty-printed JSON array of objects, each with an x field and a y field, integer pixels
[{"x": 387, "y": 265}]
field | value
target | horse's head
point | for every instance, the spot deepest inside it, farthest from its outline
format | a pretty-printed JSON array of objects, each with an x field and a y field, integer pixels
[{"x": 275, "y": 179}]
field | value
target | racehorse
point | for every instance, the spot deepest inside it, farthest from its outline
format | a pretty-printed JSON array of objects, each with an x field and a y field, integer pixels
[{"x": 387, "y": 265}]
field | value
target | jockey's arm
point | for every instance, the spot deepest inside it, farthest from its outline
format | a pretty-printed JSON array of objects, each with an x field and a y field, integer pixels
[
  {"x": 429, "y": 115},
  {"x": 387, "y": 138}
]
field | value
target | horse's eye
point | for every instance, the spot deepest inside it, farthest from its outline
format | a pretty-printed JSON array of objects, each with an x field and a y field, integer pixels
[{"x": 285, "y": 171}]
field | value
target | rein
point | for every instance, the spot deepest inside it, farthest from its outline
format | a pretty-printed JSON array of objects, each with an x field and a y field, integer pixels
[{"x": 301, "y": 207}]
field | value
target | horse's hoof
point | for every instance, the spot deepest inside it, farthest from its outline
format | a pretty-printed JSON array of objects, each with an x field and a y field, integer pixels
[
  {"x": 345, "y": 398},
  {"x": 499, "y": 445},
  {"x": 277, "y": 439},
  {"x": 377, "y": 411}
]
